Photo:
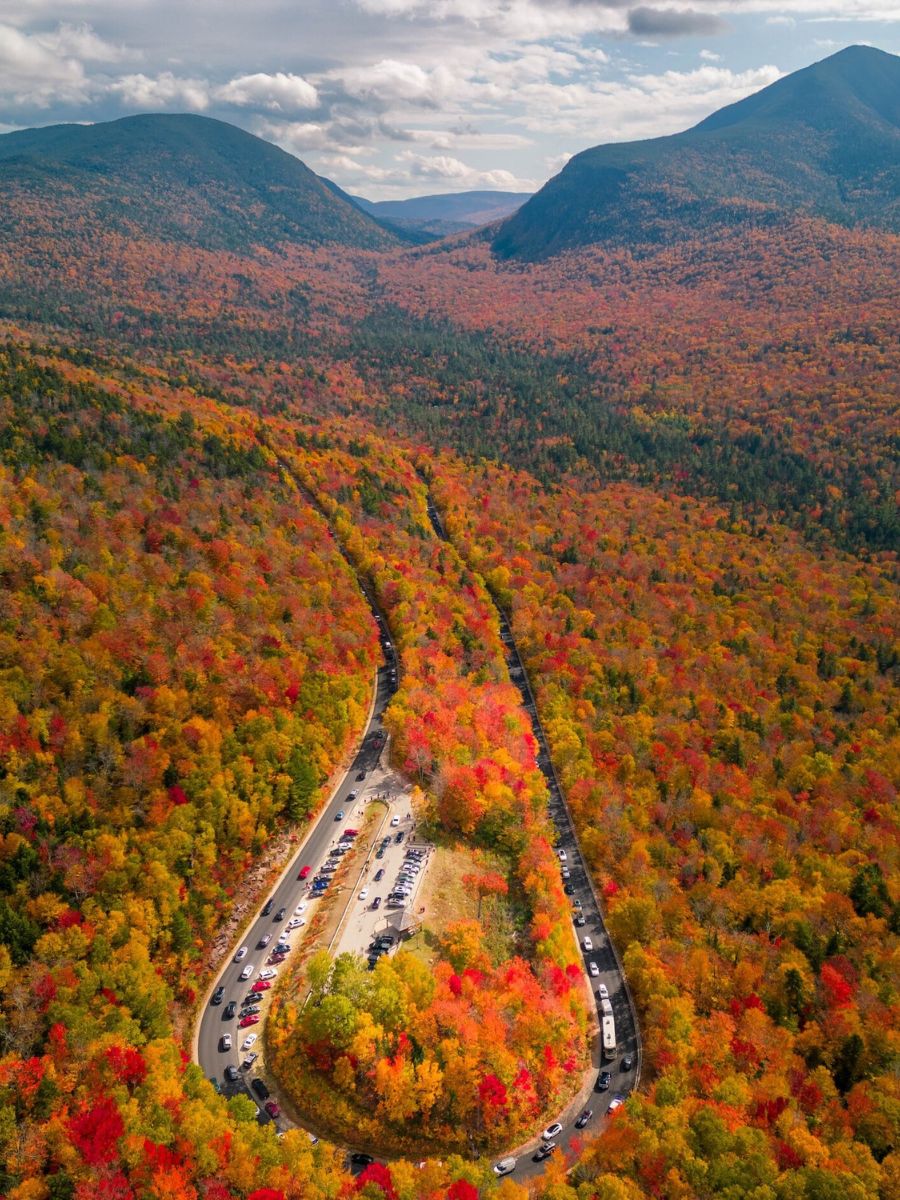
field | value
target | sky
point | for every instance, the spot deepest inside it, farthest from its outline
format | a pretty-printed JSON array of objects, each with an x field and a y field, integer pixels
[{"x": 396, "y": 98}]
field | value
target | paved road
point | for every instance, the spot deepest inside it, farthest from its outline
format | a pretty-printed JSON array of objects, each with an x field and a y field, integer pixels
[{"x": 608, "y": 965}]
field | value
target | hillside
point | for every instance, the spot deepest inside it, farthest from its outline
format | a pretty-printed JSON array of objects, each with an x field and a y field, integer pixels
[
  {"x": 824, "y": 141},
  {"x": 446, "y": 214},
  {"x": 177, "y": 178}
]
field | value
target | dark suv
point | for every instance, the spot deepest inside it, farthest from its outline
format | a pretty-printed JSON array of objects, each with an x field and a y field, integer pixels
[
  {"x": 260, "y": 1088},
  {"x": 218, "y": 994}
]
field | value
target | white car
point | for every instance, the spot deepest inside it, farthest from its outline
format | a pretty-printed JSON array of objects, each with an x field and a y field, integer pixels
[
  {"x": 603, "y": 992},
  {"x": 295, "y": 922},
  {"x": 616, "y": 1102},
  {"x": 247, "y": 971},
  {"x": 268, "y": 973},
  {"x": 551, "y": 1132},
  {"x": 242, "y": 953},
  {"x": 588, "y": 945},
  {"x": 249, "y": 1041},
  {"x": 505, "y": 1166},
  {"x": 395, "y": 820},
  {"x": 299, "y": 909},
  {"x": 363, "y": 893},
  {"x": 593, "y": 969},
  {"x": 563, "y": 857},
  {"x": 249, "y": 1061},
  {"x": 225, "y": 1042}
]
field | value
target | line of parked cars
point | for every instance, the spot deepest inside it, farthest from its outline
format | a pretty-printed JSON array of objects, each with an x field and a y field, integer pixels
[
  {"x": 413, "y": 862},
  {"x": 379, "y": 946}
]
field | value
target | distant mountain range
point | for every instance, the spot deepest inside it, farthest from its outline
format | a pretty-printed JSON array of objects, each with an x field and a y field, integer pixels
[
  {"x": 824, "y": 141},
  {"x": 445, "y": 214},
  {"x": 181, "y": 178}
]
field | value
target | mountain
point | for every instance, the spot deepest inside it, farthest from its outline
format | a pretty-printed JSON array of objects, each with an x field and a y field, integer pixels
[
  {"x": 181, "y": 178},
  {"x": 824, "y": 141},
  {"x": 446, "y": 214}
]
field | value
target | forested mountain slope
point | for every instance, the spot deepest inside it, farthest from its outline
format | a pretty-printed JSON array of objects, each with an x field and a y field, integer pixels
[{"x": 824, "y": 141}]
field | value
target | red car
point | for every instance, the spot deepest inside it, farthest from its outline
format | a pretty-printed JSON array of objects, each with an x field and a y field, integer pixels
[
  {"x": 350, "y": 833},
  {"x": 272, "y": 1109},
  {"x": 304, "y": 872},
  {"x": 261, "y": 985},
  {"x": 245, "y": 1022}
]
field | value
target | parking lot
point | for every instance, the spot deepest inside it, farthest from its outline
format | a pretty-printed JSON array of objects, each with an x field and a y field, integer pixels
[{"x": 365, "y": 920}]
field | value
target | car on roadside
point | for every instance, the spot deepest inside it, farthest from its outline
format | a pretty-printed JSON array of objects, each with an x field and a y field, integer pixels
[
  {"x": 295, "y": 923},
  {"x": 400, "y": 836},
  {"x": 218, "y": 994},
  {"x": 566, "y": 873},
  {"x": 250, "y": 1059},
  {"x": 551, "y": 1132},
  {"x": 604, "y": 1079},
  {"x": 587, "y": 944},
  {"x": 627, "y": 1062},
  {"x": 602, "y": 992},
  {"x": 230, "y": 1010},
  {"x": 232, "y": 1074},
  {"x": 544, "y": 1151},
  {"x": 260, "y": 1088},
  {"x": 305, "y": 872},
  {"x": 361, "y": 1160},
  {"x": 562, "y": 855},
  {"x": 593, "y": 969},
  {"x": 364, "y": 893},
  {"x": 249, "y": 1040},
  {"x": 580, "y": 920},
  {"x": 268, "y": 973},
  {"x": 241, "y": 954},
  {"x": 379, "y": 875},
  {"x": 584, "y": 1118},
  {"x": 395, "y": 820},
  {"x": 264, "y": 941},
  {"x": 225, "y": 1042},
  {"x": 246, "y": 1022},
  {"x": 301, "y": 907},
  {"x": 261, "y": 985},
  {"x": 271, "y": 1107},
  {"x": 267, "y": 908},
  {"x": 577, "y": 904},
  {"x": 251, "y": 1011},
  {"x": 505, "y": 1166},
  {"x": 349, "y": 834},
  {"x": 617, "y": 1101},
  {"x": 379, "y": 853},
  {"x": 247, "y": 971},
  {"x": 376, "y": 903}
]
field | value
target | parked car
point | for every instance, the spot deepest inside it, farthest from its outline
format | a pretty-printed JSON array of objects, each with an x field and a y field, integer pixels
[
  {"x": 241, "y": 954},
  {"x": 363, "y": 893},
  {"x": 379, "y": 853},
  {"x": 379, "y": 875},
  {"x": 232, "y": 1074},
  {"x": 580, "y": 920},
  {"x": 577, "y": 904},
  {"x": 593, "y": 968},
  {"x": 247, "y": 971},
  {"x": 264, "y": 941},
  {"x": 602, "y": 992},
  {"x": 568, "y": 889},
  {"x": 395, "y": 820},
  {"x": 566, "y": 873},
  {"x": 505, "y": 1166},
  {"x": 301, "y": 907},
  {"x": 305, "y": 872},
  {"x": 400, "y": 836},
  {"x": 587, "y": 944},
  {"x": 216, "y": 997},
  {"x": 603, "y": 1081},
  {"x": 260, "y": 1088},
  {"x": 246, "y": 1022},
  {"x": 349, "y": 834},
  {"x": 230, "y": 1010},
  {"x": 376, "y": 903},
  {"x": 261, "y": 985},
  {"x": 249, "y": 1040},
  {"x": 251, "y": 1011},
  {"x": 584, "y": 1118},
  {"x": 627, "y": 1062},
  {"x": 248, "y": 1062},
  {"x": 616, "y": 1102},
  {"x": 225, "y": 1042},
  {"x": 268, "y": 973},
  {"x": 267, "y": 908},
  {"x": 272, "y": 1109},
  {"x": 295, "y": 922},
  {"x": 551, "y": 1132},
  {"x": 544, "y": 1151},
  {"x": 361, "y": 1160},
  {"x": 562, "y": 855}
]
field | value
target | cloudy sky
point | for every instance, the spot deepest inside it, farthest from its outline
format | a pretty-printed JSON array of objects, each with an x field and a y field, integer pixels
[{"x": 405, "y": 97}]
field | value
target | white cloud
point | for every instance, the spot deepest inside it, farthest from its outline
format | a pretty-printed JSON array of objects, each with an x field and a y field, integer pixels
[
  {"x": 281, "y": 92},
  {"x": 162, "y": 91},
  {"x": 32, "y": 74},
  {"x": 710, "y": 56},
  {"x": 81, "y": 42}
]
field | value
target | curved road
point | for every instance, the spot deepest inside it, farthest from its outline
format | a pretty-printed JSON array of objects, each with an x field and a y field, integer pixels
[{"x": 290, "y": 891}]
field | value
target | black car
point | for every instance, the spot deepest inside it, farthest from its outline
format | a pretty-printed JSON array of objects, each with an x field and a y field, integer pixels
[
  {"x": 627, "y": 1062},
  {"x": 584, "y": 1118},
  {"x": 360, "y": 776},
  {"x": 603, "y": 1081},
  {"x": 232, "y": 1074},
  {"x": 400, "y": 836},
  {"x": 252, "y": 1011},
  {"x": 544, "y": 1151},
  {"x": 267, "y": 907},
  {"x": 376, "y": 903},
  {"x": 361, "y": 1160},
  {"x": 230, "y": 1010},
  {"x": 260, "y": 1088},
  {"x": 379, "y": 875},
  {"x": 569, "y": 890},
  {"x": 579, "y": 920},
  {"x": 264, "y": 941},
  {"x": 218, "y": 994},
  {"x": 281, "y": 914}
]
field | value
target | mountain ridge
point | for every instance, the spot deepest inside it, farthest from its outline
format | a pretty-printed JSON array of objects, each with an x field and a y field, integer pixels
[{"x": 823, "y": 141}]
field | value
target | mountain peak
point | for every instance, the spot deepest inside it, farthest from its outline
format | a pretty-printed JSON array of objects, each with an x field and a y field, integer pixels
[{"x": 823, "y": 141}]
